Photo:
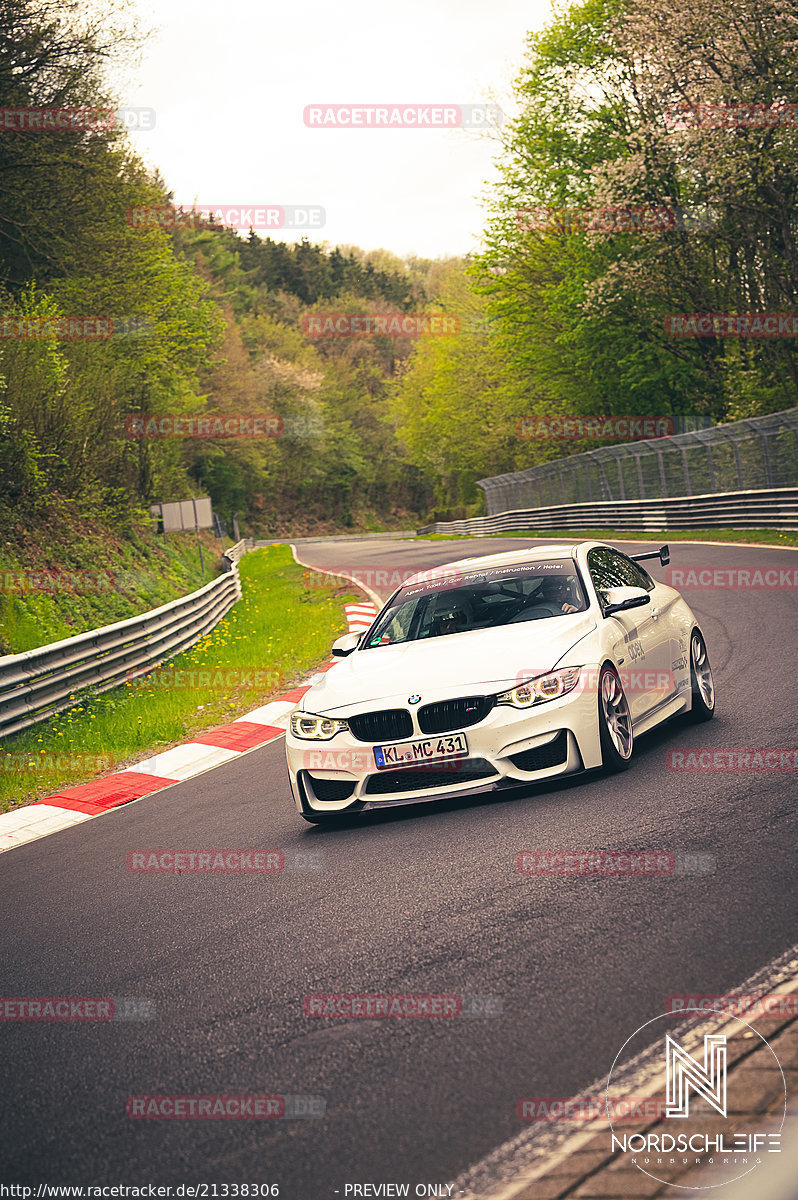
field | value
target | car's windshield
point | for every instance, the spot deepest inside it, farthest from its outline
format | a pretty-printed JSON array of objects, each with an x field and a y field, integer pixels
[{"x": 473, "y": 600}]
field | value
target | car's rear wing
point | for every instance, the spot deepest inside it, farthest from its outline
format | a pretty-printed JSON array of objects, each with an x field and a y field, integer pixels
[{"x": 663, "y": 554}]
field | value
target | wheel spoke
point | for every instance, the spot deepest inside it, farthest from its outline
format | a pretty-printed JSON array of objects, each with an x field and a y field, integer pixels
[
  {"x": 617, "y": 717},
  {"x": 702, "y": 671}
]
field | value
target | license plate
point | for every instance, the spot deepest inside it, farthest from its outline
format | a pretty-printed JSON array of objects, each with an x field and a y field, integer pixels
[{"x": 430, "y": 750}]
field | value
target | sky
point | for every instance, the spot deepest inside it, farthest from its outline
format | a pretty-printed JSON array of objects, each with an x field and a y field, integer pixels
[{"x": 229, "y": 85}]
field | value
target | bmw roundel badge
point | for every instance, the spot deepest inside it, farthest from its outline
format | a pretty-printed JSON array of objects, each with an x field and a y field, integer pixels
[{"x": 413, "y": 699}]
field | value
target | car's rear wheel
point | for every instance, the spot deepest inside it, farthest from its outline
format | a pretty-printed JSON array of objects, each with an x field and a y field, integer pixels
[
  {"x": 615, "y": 722},
  {"x": 701, "y": 682}
]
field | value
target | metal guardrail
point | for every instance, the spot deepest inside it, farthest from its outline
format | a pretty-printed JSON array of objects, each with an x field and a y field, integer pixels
[
  {"x": 774, "y": 509},
  {"x": 232, "y": 557},
  {"x": 38, "y": 683}
]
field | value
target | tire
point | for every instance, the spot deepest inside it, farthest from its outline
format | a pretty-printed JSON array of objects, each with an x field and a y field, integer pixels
[
  {"x": 615, "y": 722},
  {"x": 701, "y": 682}
]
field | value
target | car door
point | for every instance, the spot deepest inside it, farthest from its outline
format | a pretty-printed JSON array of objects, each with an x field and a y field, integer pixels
[
  {"x": 667, "y": 642},
  {"x": 641, "y": 648}
]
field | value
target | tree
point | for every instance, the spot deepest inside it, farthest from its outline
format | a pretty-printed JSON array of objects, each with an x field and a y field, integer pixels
[{"x": 582, "y": 310}]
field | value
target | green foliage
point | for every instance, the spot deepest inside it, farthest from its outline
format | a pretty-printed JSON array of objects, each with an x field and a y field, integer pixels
[
  {"x": 582, "y": 313},
  {"x": 204, "y": 322},
  {"x": 554, "y": 319},
  {"x": 576, "y": 316}
]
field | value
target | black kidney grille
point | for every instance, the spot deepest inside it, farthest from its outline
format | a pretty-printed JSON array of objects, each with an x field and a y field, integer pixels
[
  {"x": 387, "y": 725},
  {"x": 446, "y": 715},
  {"x": 412, "y": 779},
  {"x": 553, "y": 754}
]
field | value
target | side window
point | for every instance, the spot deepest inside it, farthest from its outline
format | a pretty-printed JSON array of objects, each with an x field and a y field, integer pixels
[
  {"x": 602, "y": 570},
  {"x": 645, "y": 579},
  {"x": 610, "y": 568},
  {"x": 395, "y": 625}
]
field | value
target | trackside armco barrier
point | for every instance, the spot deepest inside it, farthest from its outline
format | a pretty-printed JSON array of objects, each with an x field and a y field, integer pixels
[
  {"x": 773, "y": 509},
  {"x": 40, "y": 682}
]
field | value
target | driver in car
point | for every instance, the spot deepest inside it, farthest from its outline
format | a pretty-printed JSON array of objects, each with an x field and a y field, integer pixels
[
  {"x": 556, "y": 591},
  {"x": 450, "y": 616}
]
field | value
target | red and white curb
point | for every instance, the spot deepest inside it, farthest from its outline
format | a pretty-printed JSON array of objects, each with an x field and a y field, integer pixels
[{"x": 73, "y": 805}]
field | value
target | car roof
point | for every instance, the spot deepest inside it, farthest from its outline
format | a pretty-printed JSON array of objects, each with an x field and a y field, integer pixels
[{"x": 508, "y": 558}]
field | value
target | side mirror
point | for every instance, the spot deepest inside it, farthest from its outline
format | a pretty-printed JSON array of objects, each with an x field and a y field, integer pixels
[
  {"x": 345, "y": 645},
  {"x": 619, "y": 599}
]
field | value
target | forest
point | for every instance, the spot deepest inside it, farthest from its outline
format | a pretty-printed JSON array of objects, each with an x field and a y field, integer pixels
[{"x": 649, "y": 176}]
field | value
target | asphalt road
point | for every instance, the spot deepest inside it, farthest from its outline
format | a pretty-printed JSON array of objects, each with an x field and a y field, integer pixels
[{"x": 420, "y": 899}]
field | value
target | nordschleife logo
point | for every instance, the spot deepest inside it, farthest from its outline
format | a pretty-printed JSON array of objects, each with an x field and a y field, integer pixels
[{"x": 684, "y": 1071}]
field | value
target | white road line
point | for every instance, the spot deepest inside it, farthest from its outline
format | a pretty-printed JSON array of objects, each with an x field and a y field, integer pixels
[{"x": 376, "y": 601}]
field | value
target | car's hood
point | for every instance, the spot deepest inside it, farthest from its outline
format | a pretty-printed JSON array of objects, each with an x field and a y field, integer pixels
[{"x": 443, "y": 667}]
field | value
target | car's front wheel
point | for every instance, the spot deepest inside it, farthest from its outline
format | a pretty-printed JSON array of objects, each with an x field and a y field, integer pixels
[
  {"x": 701, "y": 682},
  {"x": 615, "y": 722}
]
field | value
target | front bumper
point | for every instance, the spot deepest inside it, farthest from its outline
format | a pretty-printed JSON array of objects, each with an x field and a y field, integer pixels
[{"x": 508, "y": 748}]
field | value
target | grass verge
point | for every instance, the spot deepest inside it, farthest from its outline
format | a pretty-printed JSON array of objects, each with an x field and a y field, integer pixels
[
  {"x": 770, "y": 537},
  {"x": 278, "y": 631},
  {"x": 66, "y": 583}
]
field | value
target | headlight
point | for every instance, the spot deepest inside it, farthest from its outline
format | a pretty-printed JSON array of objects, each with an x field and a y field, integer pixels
[
  {"x": 315, "y": 728},
  {"x": 545, "y": 687}
]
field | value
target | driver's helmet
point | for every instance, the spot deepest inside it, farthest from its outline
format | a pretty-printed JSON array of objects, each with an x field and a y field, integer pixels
[
  {"x": 450, "y": 616},
  {"x": 557, "y": 589}
]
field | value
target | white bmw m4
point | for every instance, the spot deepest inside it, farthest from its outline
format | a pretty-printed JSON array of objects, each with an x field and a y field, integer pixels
[{"x": 495, "y": 672}]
